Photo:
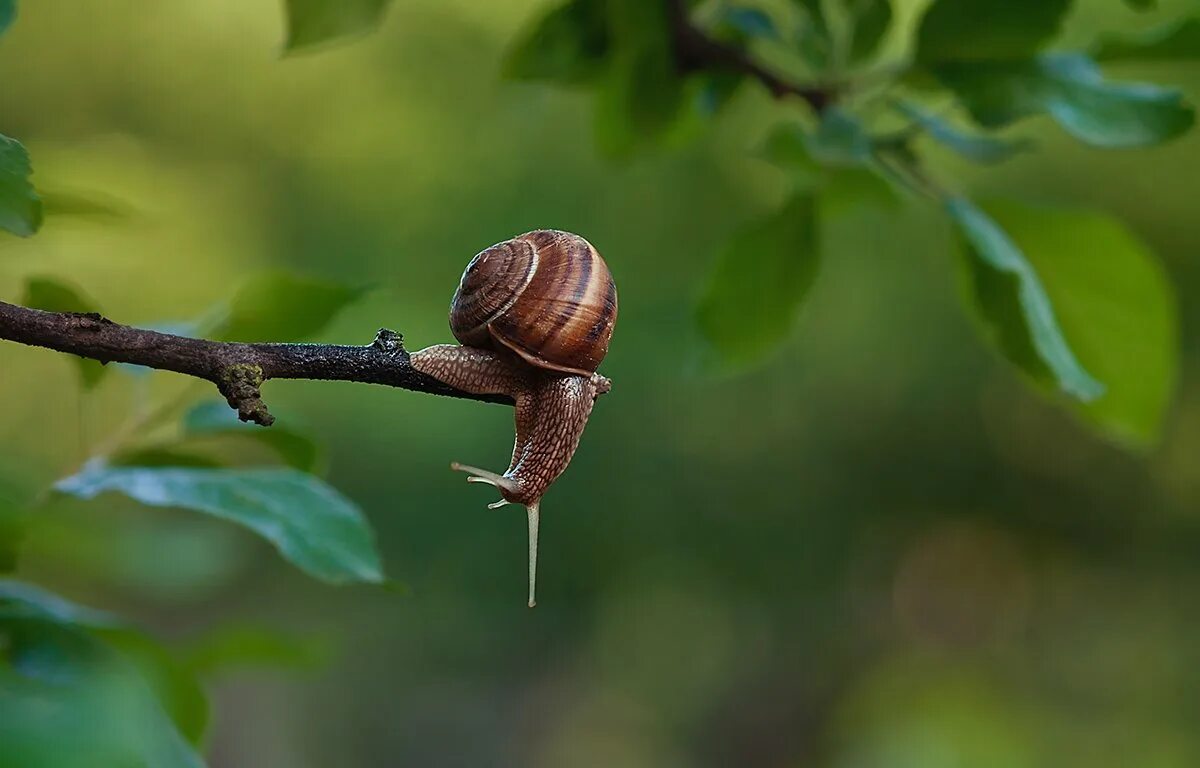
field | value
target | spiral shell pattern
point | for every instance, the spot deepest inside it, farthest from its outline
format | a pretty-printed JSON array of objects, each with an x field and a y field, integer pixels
[{"x": 546, "y": 295}]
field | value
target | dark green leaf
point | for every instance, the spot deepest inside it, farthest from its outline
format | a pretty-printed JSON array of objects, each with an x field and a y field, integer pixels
[
  {"x": 8, "y": 13},
  {"x": 870, "y": 20},
  {"x": 758, "y": 283},
  {"x": 54, "y": 295},
  {"x": 567, "y": 45},
  {"x": 1071, "y": 89},
  {"x": 283, "y": 307},
  {"x": 20, "y": 206},
  {"x": 788, "y": 148},
  {"x": 987, "y": 30},
  {"x": 73, "y": 670},
  {"x": 313, "y": 22},
  {"x": 214, "y": 417},
  {"x": 1174, "y": 42},
  {"x": 983, "y": 149},
  {"x": 638, "y": 102},
  {"x": 1014, "y": 302},
  {"x": 313, "y": 526},
  {"x": 1114, "y": 305}
]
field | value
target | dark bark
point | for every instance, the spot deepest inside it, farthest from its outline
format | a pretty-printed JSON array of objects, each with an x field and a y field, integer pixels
[{"x": 237, "y": 369}]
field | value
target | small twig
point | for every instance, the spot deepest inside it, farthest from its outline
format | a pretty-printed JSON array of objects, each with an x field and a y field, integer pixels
[
  {"x": 695, "y": 51},
  {"x": 237, "y": 369}
]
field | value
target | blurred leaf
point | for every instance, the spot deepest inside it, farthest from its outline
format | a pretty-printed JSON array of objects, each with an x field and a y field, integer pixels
[
  {"x": 870, "y": 19},
  {"x": 282, "y": 307},
  {"x": 15, "y": 497},
  {"x": 567, "y": 45},
  {"x": 1114, "y": 305},
  {"x": 1142, "y": 5},
  {"x": 745, "y": 23},
  {"x": 642, "y": 93},
  {"x": 1013, "y": 301},
  {"x": 52, "y": 295},
  {"x": 312, "y": 22},
  {"x": 311, "y": 524},
  {"x": 814, "y": 14},
  {"x": 252, "y": 646},
  {"x": 215, "y": 417},
  {"x": 83, "y": 204},
  {"x": 788, "y": 148},
  {"x": 20, "y": 206},
  {"x": 758, "y": 283},
  {"x": 162, "y": 456},
  {"x": 1175, "y": 42},
  {"x": 71, "y": 668},
  {"x": 713, "y": 90},
  {"x": 983, "y": 149},
  {"x": 840, "y": 139},
  {"x": 8, "y": 13},
  {"x": 987, "y": 30},
  {"x": 1071, "y": 89}
]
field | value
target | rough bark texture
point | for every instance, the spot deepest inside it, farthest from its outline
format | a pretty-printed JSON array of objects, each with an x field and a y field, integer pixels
[{"x": 237, "y": 369}]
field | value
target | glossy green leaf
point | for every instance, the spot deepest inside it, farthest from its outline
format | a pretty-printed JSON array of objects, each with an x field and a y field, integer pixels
[
  {"x": 314, "y": 22},
  {"x": 870, "y": 20},
  {"x": 1178, "y": 42},
  {"x": 312, "y": 525},
  {"x": 1070, "y": 88},
  {"x": 1115, "y": 307},
  {"x": 20, "y": 206},
  {"x": 566, "y": 45},
  {"x": 53, "y": 295},
  {"x": 987, "y": 30},
  {"x": 283, "y": 307},
  {"x": 759, "y": 282},
  {"x": 1016, "y": 306},
  {"x": 8, "y": 13},
  {"x": 216, "y": 418},
  {"x": 983, "y": 149}
]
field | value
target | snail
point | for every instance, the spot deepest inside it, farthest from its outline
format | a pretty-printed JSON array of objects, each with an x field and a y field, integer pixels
[{"x": 534, "y": 316}]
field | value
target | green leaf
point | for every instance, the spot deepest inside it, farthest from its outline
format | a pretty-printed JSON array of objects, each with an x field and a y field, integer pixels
[
  {"x": 20, "y": 206},
  {"x": 840, "y": 139},
  {"x": 1014, "y": 302},
  {"x": 215, "y": 417},
  {"x": 982, "y": 149},
  {"x": 312, "y": 525},
  {"x": 1070, "y": 88},
  {"x": 758, "y": 283},
  {"x": 282, "y": 307},
  {"x": 254, "y": 646},
  {"x": 1115, "y": 307},
  {"x": 8, "y": 13},
  {"x": 870, "y": 19},
  {"x": 567, "y": 45},
  {"x": 641, "y": 95},
  {"x": 75, "y": 671},
  {"x": 987, "y": 30},
  {"x": 1176, "y": 42},
  {"x": 743, "y": 24},
  {"x": 313, "y": 22},
  {"x": 53, "y": 295},
  {"x": 1142, "y": 5}
]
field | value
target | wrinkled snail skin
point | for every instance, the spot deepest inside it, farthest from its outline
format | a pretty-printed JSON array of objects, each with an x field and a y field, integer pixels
[{"x": 535, "y": 315}]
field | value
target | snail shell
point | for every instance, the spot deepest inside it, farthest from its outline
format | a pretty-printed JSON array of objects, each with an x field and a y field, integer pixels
[{"x": 546, "y": 295}]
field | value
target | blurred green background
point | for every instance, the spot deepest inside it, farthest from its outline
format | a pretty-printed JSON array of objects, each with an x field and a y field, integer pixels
[{"x": 878, "y": 549}]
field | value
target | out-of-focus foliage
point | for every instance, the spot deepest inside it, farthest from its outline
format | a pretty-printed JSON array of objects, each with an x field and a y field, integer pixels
[
  {"x": 310, "y": 523},
  {"x": 54, "y": 295},
  {"x": 20, "y": 206},
  {"x": 872, "y": 546}
]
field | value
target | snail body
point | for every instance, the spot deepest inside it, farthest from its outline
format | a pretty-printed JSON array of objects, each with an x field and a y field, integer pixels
[{"x": 534, "y": 315}]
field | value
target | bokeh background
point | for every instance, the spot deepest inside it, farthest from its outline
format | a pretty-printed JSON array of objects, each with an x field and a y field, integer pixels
[{"x": 880, "y": 548}]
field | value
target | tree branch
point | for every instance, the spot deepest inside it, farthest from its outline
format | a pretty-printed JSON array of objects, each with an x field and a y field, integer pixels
[
  {"x": 695, "y": 52},
  {"x": 238, "y": 369}
]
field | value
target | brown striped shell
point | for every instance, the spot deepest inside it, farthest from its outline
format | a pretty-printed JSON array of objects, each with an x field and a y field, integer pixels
[{"x": 546, "y": 295}]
